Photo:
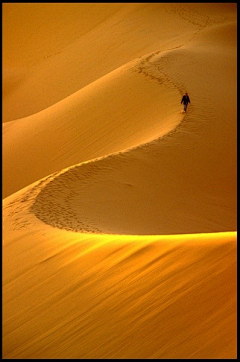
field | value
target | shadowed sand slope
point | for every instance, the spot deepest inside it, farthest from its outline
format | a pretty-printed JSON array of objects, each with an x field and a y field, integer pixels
[{"x": 119, "y": 211}]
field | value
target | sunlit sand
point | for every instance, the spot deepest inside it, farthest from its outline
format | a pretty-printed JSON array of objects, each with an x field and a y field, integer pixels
[{"x": 119, "y": 209}]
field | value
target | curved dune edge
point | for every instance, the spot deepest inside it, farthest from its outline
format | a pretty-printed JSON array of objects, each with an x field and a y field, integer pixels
[
  {"x": 76, "y": 295},
  {"x": 125, "y": 284},
  {"x": 174, "y": 145},
  {"x": 88, "y": 199},
  {"x": 129, "y": 106},
  {"x": 55, "y": 198},
  {"x": 32, "y": 197}
]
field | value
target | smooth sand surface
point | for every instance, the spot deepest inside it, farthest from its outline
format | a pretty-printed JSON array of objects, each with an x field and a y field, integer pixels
[{"x": 119, "y": 210}]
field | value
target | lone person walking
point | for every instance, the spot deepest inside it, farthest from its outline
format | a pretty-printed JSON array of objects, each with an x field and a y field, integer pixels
[{"x": 185, "y": 100}]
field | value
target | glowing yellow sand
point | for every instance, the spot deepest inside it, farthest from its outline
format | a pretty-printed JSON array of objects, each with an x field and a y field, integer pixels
[{"x": 119, "y": 211}]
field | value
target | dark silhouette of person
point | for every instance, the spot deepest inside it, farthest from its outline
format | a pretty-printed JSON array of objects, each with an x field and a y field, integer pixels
[{"x": 185, "y": 100}]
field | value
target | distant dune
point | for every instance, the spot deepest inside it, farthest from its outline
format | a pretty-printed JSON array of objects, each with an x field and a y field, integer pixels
[{"x": 119, "y": 210}]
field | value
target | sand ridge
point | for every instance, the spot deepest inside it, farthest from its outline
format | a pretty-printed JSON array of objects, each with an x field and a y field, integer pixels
[
  {"x": 67, "y": 129},
  {"x": 195, "y": 144},
  {"x": 119, "y": 211}
]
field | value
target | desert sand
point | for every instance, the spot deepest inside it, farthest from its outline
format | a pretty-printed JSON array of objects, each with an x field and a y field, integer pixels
[{"x": 119, "y": 210}]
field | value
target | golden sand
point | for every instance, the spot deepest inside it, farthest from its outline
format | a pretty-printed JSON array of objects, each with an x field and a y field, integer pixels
[{"x": 119, "y": 211}]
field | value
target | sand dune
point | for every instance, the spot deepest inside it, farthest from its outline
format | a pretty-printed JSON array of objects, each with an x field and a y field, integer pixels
[
  {"x": 119, "y": 211},
  {"x": 73, "y": 46},
  {"x": 116, "y": 112}
]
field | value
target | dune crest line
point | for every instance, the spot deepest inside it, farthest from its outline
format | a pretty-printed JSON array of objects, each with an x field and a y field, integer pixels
[
  {"x": 131, "y": 109},
  {"x": 52, "y": 205},
  {"x": 119, "y": 210},
  {"x": 97, "y": 196}
]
